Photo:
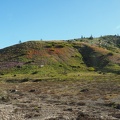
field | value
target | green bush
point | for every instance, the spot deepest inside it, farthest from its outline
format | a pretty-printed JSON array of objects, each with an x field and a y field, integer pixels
[
  {"x": 49, "y": 46},
  {"x": 91, "y": 69}
]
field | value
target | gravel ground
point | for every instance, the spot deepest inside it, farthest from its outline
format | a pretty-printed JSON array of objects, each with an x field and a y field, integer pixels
[{"x": 60, "y": 100}]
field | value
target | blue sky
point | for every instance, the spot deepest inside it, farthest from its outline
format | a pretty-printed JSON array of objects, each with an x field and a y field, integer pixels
[{"x": 56, "y": 19}]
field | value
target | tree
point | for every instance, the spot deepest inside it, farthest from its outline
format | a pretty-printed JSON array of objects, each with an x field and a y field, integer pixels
[
  {"x": 91, "y": 37},
  {"x": 82, "y": 37},
  {"x": 20, "y": 41}
]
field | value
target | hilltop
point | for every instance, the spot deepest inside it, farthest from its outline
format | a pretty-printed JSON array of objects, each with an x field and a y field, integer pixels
[{"x": 52, "y": 58}]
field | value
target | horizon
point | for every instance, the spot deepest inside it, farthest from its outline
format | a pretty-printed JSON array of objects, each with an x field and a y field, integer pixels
[{"x": 57, "y": 20}]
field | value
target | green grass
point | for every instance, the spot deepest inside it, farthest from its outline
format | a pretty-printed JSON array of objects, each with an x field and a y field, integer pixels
[{"x": 71, "y": 76}]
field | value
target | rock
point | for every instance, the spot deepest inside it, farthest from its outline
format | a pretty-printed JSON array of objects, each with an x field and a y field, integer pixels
[
  {"x": 84, "y": 116},
  {"x": 84, "y": 90},
  {"x": 81, "y": 103},
  {"x": 32, "y": 90},
  {"x": 57, "y": 118},
  {"x": 118, "y": 106},
  {"x": 13, "y": 90},
  {"x": 116, "y": 115},
  {"x": 68, "y": 109}
]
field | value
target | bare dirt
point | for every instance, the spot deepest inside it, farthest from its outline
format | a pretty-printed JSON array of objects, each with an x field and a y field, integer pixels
[{"x": 60, "y": 100}]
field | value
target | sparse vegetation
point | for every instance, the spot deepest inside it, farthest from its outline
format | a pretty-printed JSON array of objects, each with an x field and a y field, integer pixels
[{"x": 77, "y": 94}]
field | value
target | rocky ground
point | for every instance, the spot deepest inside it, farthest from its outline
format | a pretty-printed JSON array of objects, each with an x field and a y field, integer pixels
[{"x": 61, "y": 100}]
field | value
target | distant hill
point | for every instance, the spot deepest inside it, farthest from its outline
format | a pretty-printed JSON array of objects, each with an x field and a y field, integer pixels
[{"x": 49, "y": 58}]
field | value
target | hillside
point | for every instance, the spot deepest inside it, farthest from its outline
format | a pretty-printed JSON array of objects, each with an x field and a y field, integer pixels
[
  {"x": 52, "y": 58},
  {"x": 61, "y": 80},
  {"x": 47, "y": 58}
]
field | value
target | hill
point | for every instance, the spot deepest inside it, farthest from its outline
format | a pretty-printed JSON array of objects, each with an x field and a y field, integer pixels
[
  {"x": 73, "y": 79},
  {"x": 53, "y": 58}
]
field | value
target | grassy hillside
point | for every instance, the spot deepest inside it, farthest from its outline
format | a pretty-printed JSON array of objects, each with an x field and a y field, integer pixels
[
  {"x": 56, "y": 58},
  {"x": 46, "y": 58}
]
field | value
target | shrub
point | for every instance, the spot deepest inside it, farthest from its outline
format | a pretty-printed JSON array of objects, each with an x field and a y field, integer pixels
[
  {"x": 60, "y": 65},
  {"x": 91, "y": 69},
  {"x": 110, "y": 54},
  {"x": 24, "y": 80},
  {"x": 49, "y": 46},
  {"x": 1, "y": 73},
  {"x": 35, "y": 72},
  {"x": 19, "y": 66}
]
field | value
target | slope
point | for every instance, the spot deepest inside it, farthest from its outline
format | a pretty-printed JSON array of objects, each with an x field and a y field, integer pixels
[
  {"x": 46, "y": 58},
  {"x": 98, "y": 57},
  {"x": 53, "y": 58}
]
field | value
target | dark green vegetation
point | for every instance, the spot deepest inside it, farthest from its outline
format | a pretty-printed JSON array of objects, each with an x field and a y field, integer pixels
[{"x": 58, "y": 58}]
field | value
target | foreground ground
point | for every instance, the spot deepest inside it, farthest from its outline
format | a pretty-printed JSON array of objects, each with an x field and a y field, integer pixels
[{"x": 97, "y": 98}]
